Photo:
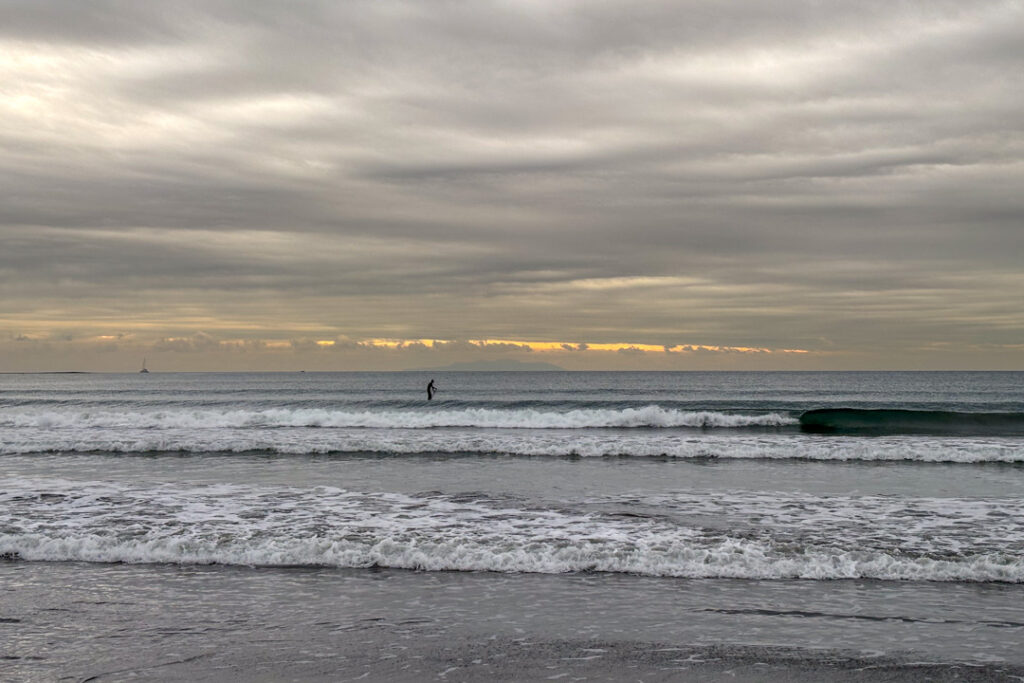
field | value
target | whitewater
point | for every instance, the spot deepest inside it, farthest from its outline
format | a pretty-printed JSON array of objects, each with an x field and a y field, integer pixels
[
  {"x": 807, "y": 510},
  {"x": 832, "y": 538}
]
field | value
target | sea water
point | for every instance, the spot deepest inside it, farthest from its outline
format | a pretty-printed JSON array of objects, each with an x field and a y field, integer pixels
[{"x": 687, "y": 509}]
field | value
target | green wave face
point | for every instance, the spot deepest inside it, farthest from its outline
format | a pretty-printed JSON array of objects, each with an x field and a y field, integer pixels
[{"x": 854, "y": 421}]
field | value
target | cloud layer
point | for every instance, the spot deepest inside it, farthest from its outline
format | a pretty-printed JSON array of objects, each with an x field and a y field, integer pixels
[{"x": 842, "y": 177}]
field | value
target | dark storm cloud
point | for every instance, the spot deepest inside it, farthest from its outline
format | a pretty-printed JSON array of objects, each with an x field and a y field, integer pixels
[{"x": 795, "y": 173}]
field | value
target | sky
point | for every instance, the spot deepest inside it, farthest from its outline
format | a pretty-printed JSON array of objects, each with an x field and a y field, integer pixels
[{"x": 600, "y": 184}]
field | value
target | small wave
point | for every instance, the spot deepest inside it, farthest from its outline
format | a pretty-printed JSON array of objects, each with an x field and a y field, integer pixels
[
  {"x": 650, "y": 416},
  {"x": 862, "y": 421},
  {"x": 734, "y": 559},
  {"x": 724, "y": 444}
]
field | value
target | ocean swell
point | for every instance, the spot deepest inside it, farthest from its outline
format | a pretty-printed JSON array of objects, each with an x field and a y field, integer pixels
[{"x": 890, "y": 421}]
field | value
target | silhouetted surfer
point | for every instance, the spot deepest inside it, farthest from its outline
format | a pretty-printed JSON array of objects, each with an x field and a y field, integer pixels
[{"x": 431, "y": 390}]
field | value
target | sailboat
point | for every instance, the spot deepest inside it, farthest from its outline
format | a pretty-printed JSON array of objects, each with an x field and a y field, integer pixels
[{"x": 144, "y": 370}]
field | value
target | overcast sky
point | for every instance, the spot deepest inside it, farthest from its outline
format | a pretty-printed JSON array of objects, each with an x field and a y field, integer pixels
[{"x": 345, "y": 185}]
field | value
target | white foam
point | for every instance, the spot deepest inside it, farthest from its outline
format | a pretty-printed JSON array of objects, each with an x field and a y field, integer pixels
[
  {"x": 516, "y": 442},
  {"x": 767, "y": 536},
  {"x": 650, "y": 416}
]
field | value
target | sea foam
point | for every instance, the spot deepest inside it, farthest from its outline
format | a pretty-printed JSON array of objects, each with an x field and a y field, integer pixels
[
  {"x": 650, "y": 417},
  {"x": 769, "y": 536}
]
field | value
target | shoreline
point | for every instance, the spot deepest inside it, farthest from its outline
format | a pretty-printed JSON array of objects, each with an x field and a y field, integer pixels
[
  {"x": 355, "y": 656},
  {"x": 97, "y": 622}
]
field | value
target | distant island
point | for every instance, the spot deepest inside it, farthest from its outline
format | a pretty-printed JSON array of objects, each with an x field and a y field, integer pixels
[{"x": 504, "y": 365}]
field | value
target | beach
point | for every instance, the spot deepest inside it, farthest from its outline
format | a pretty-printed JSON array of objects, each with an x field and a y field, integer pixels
[{"x": 77, "y": 621}]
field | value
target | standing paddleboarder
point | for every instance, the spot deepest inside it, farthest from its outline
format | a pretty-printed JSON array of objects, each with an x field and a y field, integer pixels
[{"x": 431, "y": 390}]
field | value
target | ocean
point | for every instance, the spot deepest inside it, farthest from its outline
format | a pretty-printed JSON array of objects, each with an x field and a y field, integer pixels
[{"x": 519, "y": 526}]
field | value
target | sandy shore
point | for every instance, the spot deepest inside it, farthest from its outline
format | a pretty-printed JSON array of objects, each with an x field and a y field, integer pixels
[
  {"x": 365, "y": 655},
  {"x": 102, "y": 622}
]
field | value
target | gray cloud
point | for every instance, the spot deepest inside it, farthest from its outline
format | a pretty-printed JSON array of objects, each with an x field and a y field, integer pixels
[{"x": 840, "y": 177}]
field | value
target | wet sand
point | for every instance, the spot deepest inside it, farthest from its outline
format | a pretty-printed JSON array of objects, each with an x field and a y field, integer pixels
[
  {"x": 94, "y": 622},
  {"x": 360, "y": 656}
]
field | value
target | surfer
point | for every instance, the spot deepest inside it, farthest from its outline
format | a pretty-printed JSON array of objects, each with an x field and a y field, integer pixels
[{"x": 431, "y": 390}]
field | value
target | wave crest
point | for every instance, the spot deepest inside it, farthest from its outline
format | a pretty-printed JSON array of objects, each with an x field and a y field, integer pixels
[{"x": 652, "y": 416}]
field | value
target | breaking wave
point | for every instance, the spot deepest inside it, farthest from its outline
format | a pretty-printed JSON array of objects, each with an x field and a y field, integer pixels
[
  {"x": 772, "y": 538},
  {"x": 650, "y": 416}
]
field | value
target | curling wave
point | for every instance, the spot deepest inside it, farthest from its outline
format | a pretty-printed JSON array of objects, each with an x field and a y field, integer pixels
[{"x": 864, "y": 421}]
